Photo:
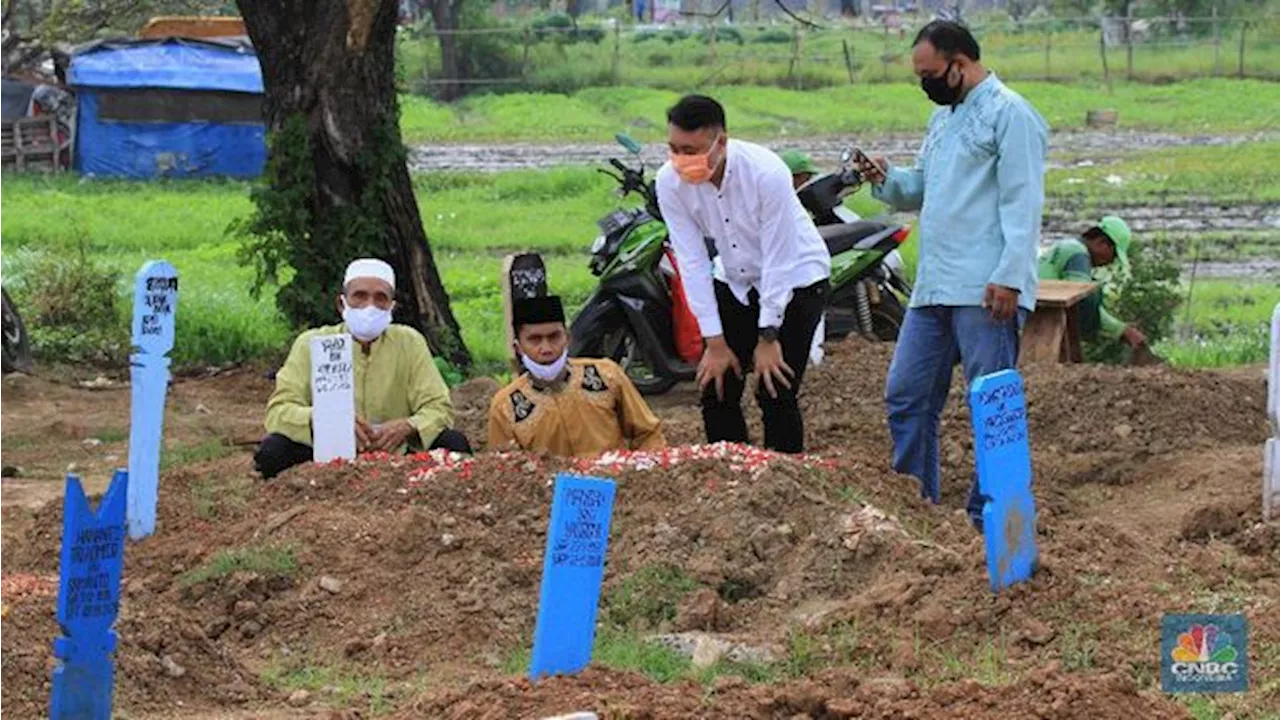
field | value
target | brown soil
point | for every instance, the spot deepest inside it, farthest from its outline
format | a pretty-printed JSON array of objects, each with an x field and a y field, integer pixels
[
  {"x": 1145, "y": 480},
  {"x": 834, "y": 695}
]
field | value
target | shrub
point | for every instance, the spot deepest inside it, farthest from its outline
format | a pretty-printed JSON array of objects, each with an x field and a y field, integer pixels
[
  {"x": 486, "y": 56},
  {"x": 776, "y": 37},
  {"x": 660, "y": 59},
  {"x": 1145, "y": 294},
  {"x": 552, "y": 26},
  {"x": 71, "y": 304},
  {"x": 723, "y": 35}
]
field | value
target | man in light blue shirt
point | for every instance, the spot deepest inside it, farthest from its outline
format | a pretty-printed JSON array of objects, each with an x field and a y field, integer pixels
[{"x": 979, "y": 186}]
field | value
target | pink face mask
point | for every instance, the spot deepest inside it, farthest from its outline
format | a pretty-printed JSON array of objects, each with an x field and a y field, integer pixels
[{"x": 696, "y": 169}]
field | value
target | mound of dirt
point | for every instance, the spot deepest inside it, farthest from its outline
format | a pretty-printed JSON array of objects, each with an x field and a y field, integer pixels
[
  {"x": 1049, "y": 694},
  {"x": 165, "y": 661},
  {"x": 431, "y": 562},
  {"x": 1078, "y": 408},
  {"x": 445, "y": 552}
]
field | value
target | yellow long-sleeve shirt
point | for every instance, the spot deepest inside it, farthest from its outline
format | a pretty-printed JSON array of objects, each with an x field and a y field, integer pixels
[
  {"x": 395, "y": 379},
  {"x": 595, "y": 410}
]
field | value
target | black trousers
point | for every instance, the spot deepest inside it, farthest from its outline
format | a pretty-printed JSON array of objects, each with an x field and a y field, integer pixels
[
  {"x": 278, "y": 453},
  {"x": 783, "y": 424}
]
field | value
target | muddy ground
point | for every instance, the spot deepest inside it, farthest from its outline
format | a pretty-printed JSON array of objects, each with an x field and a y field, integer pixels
[
  {"x": 833, "y": 589},
  {"x": 1175, "y": 218},
  {"x": 1067, "y": 148}
]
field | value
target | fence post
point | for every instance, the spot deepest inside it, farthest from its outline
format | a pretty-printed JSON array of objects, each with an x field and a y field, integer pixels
[
  {"x": 526, "y": 40},
  {"x": 795, "y": 54},
  {"x": 884, "y": 56},
  {"x": 1102, "y": 46},
  {"x": 617, "y": 49},
  {"x": 1244, "y": 28},
  {"x": 848, "y": 60},
  {"x": 1217, "y": 43},
  {"x": 1048, "y": 50},
  {"x": 1128, "y": 40},
  {"x": 711, "y": 33}
]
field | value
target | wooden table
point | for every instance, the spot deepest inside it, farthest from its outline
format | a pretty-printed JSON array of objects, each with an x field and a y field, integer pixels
[{"x": 1052, "y": 333}]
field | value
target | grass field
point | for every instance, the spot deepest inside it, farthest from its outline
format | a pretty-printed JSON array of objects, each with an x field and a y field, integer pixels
[
  {"x": 1211, "y": 105},
  {"x": 473, "y": 219},
  {"x": 785, "y": 55}
]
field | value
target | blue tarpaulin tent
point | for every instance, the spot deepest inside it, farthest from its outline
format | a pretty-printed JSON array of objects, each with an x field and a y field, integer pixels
[{"x": 169, "y": 107}]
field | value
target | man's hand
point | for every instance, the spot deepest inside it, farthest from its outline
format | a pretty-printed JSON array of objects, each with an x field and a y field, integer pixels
[
  {"x": 873, "y": 171},
  {"x": 392, "y": 435},
  {"x": 770, "y": 366},
  {"x": 1133, "y": 336},
  {"x": 1001, "y": 301},
  {"x": 364, "y": 435},
  {"x": 716, "y": 360}
]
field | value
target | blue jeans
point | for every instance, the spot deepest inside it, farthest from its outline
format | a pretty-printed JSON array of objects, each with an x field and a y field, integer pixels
[{"x": 932, "y": 340}]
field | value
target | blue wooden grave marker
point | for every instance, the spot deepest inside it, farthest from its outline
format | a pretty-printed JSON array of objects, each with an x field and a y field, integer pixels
[
  {"x": 88, "y": 600},
  {"x": 155, "y": 300},
  {"x": 1002, "y": 453},
  {"x": 572, "y": 570}
]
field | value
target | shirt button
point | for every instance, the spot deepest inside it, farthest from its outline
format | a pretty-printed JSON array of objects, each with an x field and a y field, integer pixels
[{"x": 734, "y": 246}]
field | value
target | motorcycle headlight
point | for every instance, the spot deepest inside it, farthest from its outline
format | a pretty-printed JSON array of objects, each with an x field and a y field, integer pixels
[{"x": 598, "y": 244}]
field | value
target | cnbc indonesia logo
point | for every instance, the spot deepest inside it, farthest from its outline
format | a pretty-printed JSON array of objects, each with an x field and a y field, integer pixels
[{"x": 1205, "y": 654}]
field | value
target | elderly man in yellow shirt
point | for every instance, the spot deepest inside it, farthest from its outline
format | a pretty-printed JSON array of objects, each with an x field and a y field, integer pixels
[
  {"x": 400, "y": 398},
  {"x": 566, "y": 407}
]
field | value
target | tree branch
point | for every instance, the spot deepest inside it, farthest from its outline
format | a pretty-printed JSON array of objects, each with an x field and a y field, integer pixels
[
  {"x": 716, "y": 14},
  {"x": 795, "y": 17}
]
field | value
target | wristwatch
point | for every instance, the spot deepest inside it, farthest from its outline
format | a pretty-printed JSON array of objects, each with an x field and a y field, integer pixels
[{"x": 769, "y": 334}]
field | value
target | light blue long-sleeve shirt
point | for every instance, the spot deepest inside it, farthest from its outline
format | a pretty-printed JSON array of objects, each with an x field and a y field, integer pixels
[{"x": 979, "y": 185}]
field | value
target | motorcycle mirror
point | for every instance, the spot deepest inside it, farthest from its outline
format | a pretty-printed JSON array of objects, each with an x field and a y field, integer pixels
[
  {"x": 627, "y": 142},
  {"x": 846, "y": 156}
]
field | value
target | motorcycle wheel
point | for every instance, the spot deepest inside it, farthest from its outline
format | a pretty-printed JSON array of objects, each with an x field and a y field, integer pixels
[
  {"x": 623, "y": 348},
  {"x": 886, "y": 317},
  {"x": 17, "y": 345}
]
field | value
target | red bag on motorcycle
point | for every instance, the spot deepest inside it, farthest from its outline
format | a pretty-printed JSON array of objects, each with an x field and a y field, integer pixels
[{"x": 684, "y": 325}]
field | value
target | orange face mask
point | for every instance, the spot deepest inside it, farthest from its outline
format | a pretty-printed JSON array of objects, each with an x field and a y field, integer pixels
[{"x": 696, "y": 169}]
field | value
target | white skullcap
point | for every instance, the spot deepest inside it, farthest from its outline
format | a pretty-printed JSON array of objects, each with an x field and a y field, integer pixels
[{"x": 370, "y": 268}]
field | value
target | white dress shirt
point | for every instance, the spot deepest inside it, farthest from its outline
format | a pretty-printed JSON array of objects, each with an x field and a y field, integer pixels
[{"x": 763, "y": 234}]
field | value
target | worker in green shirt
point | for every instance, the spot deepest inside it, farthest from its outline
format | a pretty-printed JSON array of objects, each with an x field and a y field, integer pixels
[
  {"x": 1099, "y": 246},
  {"x": 801, "y": 166},
  {"x": 401, "y": 400}
]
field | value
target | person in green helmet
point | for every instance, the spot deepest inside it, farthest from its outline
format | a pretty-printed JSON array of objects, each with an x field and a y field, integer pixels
[
  {"x": 1079, "y": 260},
  {"x": 801, "y": 167}
]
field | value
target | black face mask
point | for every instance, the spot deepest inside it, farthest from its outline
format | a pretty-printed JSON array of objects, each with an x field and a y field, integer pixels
[{"x": 939, "y": 90}]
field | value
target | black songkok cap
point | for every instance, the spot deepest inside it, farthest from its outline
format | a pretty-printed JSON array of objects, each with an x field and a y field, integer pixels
[{"x": 543, "y": 309}]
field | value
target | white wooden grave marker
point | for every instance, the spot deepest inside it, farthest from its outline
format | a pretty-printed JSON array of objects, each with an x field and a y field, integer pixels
[
  {"x": 333, "y": 401},
  {"x": 155, "y": 302},
  {"x": 1271, "y": 453}
]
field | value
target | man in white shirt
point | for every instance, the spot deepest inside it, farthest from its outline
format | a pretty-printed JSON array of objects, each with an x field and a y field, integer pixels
[{"x": 776, "y": 268}]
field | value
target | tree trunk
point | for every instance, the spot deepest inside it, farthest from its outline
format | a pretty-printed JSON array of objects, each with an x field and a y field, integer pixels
[
  {"x": 444, "y": 15},
  {"x": 328, "y": 67}
]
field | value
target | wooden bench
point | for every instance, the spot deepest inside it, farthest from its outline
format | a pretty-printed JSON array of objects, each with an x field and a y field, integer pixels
[{"x": 1052, "y": 333}]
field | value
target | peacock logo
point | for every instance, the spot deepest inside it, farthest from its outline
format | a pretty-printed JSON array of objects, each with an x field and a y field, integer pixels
[
  {"x": 1204, "y": 643},
  {"x": 1205, "y": 654}
]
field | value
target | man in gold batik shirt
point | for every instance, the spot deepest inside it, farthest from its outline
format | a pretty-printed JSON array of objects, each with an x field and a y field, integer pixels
[{"x": 579, "y": 407}]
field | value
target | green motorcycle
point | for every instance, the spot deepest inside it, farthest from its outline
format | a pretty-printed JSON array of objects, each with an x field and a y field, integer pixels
[{"x": 629, "y": 316}]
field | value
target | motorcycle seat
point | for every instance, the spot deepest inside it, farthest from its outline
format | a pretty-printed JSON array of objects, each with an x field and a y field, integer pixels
[{"x": 845, "y": 236}]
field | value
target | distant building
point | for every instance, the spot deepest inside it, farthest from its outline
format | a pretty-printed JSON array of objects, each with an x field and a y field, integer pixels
[{"x": 171, "y": 107}]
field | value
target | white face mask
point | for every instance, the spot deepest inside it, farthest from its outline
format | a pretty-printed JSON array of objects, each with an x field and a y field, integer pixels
[
  {"x": 546, "y": 373},
  {"x": 367, "y": 323}
]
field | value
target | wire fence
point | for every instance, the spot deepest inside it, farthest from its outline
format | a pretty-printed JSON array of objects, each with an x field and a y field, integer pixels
[{"x": 687, "y": 56}]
